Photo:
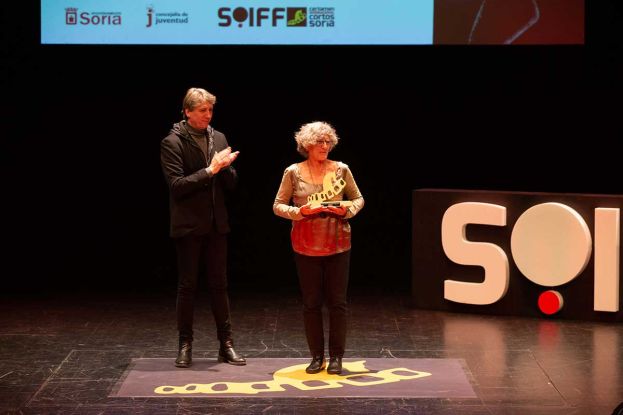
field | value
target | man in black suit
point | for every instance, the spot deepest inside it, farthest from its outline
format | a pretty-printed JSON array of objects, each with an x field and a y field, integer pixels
[{"x": 196, "y": 161}]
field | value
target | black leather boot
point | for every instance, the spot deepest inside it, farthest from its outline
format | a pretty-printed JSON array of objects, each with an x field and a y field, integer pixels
[
  {"x": 335, "y": 366},
  {"x": 227, "y": 354},
  {"x": 316, "y": 365},
  {"x": 184, "y": 353}
]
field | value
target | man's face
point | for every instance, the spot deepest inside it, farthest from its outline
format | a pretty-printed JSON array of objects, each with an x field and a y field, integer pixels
[{"x": 200, "y": 116}]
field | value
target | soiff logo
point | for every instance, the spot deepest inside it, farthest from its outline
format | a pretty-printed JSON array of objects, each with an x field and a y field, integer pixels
[
  {"x": 297, "y": 16},
  {"x": 295, "y": 376}
]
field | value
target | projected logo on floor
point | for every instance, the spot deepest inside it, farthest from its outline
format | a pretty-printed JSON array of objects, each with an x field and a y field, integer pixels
[{"x": 354, "y": 374}]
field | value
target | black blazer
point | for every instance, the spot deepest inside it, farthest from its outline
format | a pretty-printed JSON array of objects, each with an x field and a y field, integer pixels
[{"x": 196, "y": 198}]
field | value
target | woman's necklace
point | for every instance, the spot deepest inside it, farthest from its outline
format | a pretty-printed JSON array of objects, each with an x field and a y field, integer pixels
[{"x": 311, "y": 174}]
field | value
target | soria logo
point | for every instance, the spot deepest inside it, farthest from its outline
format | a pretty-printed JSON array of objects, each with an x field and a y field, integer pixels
[
  {"x": 71, "y": 15},
  {"x": 91, "y": 18}
]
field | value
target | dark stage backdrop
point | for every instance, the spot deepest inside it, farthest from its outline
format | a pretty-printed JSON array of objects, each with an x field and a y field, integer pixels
[{"x": 85, "y": 204}]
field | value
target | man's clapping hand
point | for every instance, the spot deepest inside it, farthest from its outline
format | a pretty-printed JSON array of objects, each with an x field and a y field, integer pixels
[{"x": 222, "y": 159}]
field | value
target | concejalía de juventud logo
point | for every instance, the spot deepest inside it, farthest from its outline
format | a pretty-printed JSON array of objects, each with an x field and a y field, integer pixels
[{"x": 158, "y": 18}]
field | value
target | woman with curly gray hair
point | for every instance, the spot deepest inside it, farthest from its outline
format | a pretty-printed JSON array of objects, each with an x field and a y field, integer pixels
[{"x": 324, "y": 196}]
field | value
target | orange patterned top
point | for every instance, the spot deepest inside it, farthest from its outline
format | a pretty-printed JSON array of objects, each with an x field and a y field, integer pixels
[{"x": 320, "y": 235}]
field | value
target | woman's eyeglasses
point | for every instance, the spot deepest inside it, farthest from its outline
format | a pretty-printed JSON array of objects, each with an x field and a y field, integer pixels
[{"x": 327, "y": 142}]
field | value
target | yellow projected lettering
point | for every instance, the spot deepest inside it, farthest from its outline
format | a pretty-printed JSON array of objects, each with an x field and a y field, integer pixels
[{"x": 358, "y": 375}]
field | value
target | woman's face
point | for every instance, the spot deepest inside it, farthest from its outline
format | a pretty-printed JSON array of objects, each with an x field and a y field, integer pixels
[
  {"x": 200, "y": 116},
  {"x": 320, "y": 150}
]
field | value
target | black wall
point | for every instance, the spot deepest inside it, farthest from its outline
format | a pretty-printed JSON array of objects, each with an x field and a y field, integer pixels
[{"x": 84, "y": 200}]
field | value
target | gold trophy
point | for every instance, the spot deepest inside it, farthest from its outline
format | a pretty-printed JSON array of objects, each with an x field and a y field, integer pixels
[{"x": 330, "y": 187}]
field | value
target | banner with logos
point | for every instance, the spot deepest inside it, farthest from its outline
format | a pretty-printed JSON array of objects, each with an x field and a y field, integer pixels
[
  {"x": 250, "y": 22},
  {"x": 312, "y": 22}
]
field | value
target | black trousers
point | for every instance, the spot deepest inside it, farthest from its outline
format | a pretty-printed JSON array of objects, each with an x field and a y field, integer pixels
[
  {"x": 193, "y": 253},
  {"x": 324, "y": 279}
]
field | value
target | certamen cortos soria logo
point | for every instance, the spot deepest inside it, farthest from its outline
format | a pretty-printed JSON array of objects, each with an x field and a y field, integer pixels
[
  {"x": 276, "y": 16},
  {"x": 74, "y": 17}
]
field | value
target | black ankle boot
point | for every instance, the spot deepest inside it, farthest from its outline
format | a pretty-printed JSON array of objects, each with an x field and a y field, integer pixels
[
  {"x": 185, "y": 353},
  {"x": 227, "y": 354},
  {"x": 316, "y": 365},
  {"x": 335, "y": 366}
]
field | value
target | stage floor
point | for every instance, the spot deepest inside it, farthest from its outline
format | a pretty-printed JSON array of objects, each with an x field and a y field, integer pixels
[{"x": 72, "y": 354}]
